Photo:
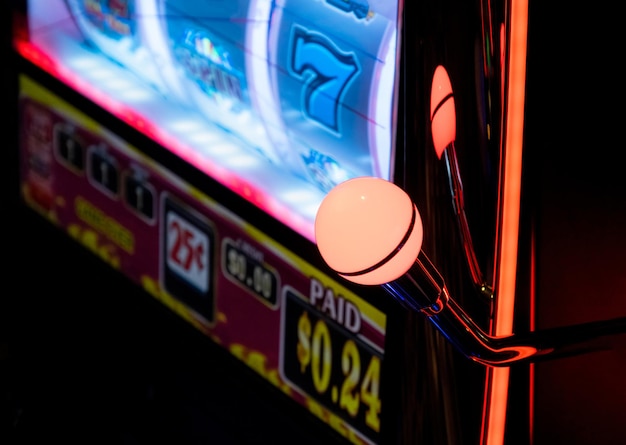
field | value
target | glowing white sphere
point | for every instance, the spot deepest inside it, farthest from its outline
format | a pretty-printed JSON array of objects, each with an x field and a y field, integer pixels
[{"x": 368, "y": 230}]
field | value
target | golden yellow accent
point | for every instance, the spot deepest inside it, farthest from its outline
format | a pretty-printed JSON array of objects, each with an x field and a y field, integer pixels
[
  {"x": 30, "y": 88},
  {"x": 91, "y": 240},
  {"x": 50, "y": 215},
  {"x": 336, "y": 422},
  {"x": 258, "y": 362},
  {"x": 104, "y": 224}
]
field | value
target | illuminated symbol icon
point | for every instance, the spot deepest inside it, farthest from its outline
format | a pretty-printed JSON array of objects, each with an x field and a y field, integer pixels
[
  {"x": 204, "y": 46},
  {"x": 373, "y": 209},
  {"x": 113, "y": 17},
  {"x": 69, "y": 148},
  {"x": 361, "y": 9},
  {"x": 138, "y": 193},
  {"x": 324, "y": 170},
  {"x": 209, "y": 66},
  {"x": 334, "y": 394},
  {"x": 327, "y": 73},
  {"x": 187, "y": 251},
  {"x": 103, "y": 170}
]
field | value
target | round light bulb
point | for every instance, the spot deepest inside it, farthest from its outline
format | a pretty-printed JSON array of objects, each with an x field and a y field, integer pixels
[
  {"x": 442, "y": 111},
  {"x": 368, "y": 230}
]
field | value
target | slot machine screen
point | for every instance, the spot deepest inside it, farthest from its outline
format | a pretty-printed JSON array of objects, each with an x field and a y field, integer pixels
[{"x": 278, "y": 101}]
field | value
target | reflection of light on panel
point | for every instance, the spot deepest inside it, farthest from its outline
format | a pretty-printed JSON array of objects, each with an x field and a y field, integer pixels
[
  {"x": 258, "y": 74},
  {"x": 383, "y": 115},
  {"x": 243, "y": 118},
  {"x": 223, "y": 149},
  {"x": 93, "y": 67},
  {"x": 258, "y": 130},
  {"x": 159, "y": 47},
  {"x": 241, "y": 161},
  {"x": 249, "y": 128},
  {"x": 129, "y": 94},
  {"x": 308, "y": 203},
  {"x": 310, "y": 210},
  {"x": 84, "y": 63},
  {"x": 225, "y": 103},
  {"x": 109, "y": 79},
  {"x": 185, "y": 125},
  {"x": 298, "y": 196},
  {"x": 203, "y": 137},
  {"x": 124, "y": 87}
]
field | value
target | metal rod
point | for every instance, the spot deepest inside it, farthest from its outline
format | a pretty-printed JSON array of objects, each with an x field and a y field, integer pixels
[{"x": 422, "y": 289}]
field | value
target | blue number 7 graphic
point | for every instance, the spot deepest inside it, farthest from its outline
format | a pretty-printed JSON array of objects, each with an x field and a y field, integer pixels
[{"x": 326, "y": 71}]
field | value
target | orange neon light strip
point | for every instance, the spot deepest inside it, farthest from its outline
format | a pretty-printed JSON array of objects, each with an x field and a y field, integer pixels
[
  {"x": 509, "y": 224},
  {"x": 512, "y": 170}
]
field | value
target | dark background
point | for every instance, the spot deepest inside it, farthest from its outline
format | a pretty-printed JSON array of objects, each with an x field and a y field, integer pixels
[{"x": 574, "y": 130}]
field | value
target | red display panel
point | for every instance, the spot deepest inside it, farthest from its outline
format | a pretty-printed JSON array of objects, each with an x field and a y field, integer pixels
[{"x": 306, "y": 334}]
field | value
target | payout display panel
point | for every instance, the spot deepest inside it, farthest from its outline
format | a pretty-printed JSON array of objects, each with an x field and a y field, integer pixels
[
  {"x": 306, "y": 334},
  {"x": 278, "y": 102}
]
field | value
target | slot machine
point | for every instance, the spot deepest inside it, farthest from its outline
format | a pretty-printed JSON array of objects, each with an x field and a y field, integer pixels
[{"x": 341, "y": 221}]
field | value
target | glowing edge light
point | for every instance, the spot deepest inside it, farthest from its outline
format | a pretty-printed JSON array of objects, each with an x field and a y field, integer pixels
[
  {"x": 384, "y": 88},
  {"x": 496, "y": 392}
]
